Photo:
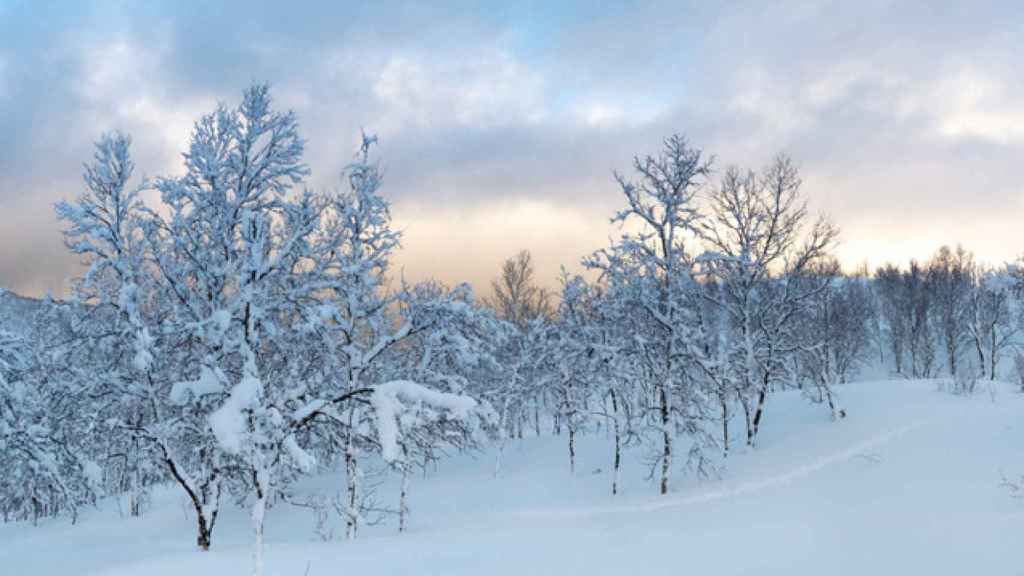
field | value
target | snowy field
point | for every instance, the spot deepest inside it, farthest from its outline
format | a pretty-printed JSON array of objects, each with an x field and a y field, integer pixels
[{"x": 909, "y": 483}]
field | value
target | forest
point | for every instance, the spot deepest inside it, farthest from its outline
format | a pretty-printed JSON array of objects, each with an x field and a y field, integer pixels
[{"x": 235, "y": 332}]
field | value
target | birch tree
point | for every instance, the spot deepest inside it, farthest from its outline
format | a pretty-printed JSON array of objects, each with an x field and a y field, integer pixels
[
  {"x": 654, "y": 266},
  {"x": 990, "y": 324},
  {"x": 759, "y": 243}
]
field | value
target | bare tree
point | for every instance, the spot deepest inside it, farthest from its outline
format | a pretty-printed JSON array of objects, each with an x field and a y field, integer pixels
[
  {"x": 758, "y": 242},
  {"x": 517, "y": 297},
  {"x": 892, "y": 308},
  {"x": 920, "y": 332},
  {"x": 950, "y": 275},
  {"x": 990, "y": 325},
  {"x": 835, "y": 331}
]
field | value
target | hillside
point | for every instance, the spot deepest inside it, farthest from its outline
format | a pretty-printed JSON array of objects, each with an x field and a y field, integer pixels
[{"x": 909, "y": 483}]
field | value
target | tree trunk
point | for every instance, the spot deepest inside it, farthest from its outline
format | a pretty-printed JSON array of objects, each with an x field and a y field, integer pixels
[
  {"x": 351, "y": 489},
  {"x": 897, "y": 356},
  {"x": 725, "y": 426},
  {"x": 501, "y": 439},
  {"x": 951, "y": 353},
  {"x": 259, "y": 509},
  {"x": 203, "y": 539},
  {"x": 993, "y": 357},
  {"x": 746, "y": 418},
  {"x": 618, "y": 445},
  {"x": 201, "y": 499},
  {"x": 666, "y": 457},
  {"x": 572, "y": 448},
  {"x": 762, "y": 395},
  {"x": 981, "y": 353},
  {"x": 403, "y": 506},
  {"x": 837, "y": 413}
]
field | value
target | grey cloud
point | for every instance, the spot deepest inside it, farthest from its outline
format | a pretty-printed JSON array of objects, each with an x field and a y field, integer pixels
[{"x": 870, "y": 98}]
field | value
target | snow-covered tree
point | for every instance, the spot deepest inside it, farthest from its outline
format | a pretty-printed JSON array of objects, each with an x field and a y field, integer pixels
[
  {"x": 46, "y": 470},
  {"x": 575, "y": 359},
  {"x": 653, "y": 268},
  {"x": 112, "y": 301},
  {"x": 950, "y": 279},
  {"x": 526, "y": 371},
  {"x": 759, "y": 244},
  {"x": 893, "y": 308},
  {"x": 595, "y": 366},
  {"x": 833, "y": 332},
  {"x": 991, "y": 326},
  {"x": 452, "y": 358},
  {"x": 526, "y": 308},
  {"x": 245, "y": 316}
]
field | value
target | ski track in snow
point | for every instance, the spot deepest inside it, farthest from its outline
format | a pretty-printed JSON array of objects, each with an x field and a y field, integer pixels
[{"x": 739, "y": 489}]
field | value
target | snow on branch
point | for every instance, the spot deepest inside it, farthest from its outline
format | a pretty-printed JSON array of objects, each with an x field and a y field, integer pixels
[{"x": 395, "y": 405}]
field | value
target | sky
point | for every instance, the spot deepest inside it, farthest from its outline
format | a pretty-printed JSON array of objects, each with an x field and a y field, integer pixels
[{"x": 500, "y": 123}]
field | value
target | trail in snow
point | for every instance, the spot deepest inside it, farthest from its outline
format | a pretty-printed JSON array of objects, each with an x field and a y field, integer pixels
[{"x": 741, "y": 489}]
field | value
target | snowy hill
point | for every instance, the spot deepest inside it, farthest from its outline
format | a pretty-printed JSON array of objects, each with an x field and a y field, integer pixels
[{"x": 908, "y": 484}]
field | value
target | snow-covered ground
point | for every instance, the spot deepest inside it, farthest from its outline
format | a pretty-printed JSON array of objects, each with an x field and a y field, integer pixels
[{"x": 909, "y": 483}]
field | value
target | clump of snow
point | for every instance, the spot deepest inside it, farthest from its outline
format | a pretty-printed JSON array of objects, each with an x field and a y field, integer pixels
[
  {"x": 391, "y": 401},
  {"x": 143, "y": 344},
  {"x": 304, "y": 460},
  {"x": 228, "y": 422},
  {"x": 209, "y": 382},
  {"x": 93, "y": 473},
  {"x": 221, "y": 319}
]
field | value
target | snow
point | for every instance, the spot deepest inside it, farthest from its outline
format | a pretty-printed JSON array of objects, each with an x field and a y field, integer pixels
[
  {"x": 207, "y": 383},
  {"x": 908, "y": 483},
  {"x": 143, "y": 357},
  {"x": 93, "y": 473},
  {"x": 228, "y": 422},
  {"x": 389, "y": 399},
  {"x": 304, "y": 460}
]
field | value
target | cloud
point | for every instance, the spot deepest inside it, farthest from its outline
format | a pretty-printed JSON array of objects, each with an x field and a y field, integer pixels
[
  {"x": 119, "y": 82},
  {"x": 481, "y": 91},
  {"x": 500, "y": 127},
  {"x": 977, "y": 106}
]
